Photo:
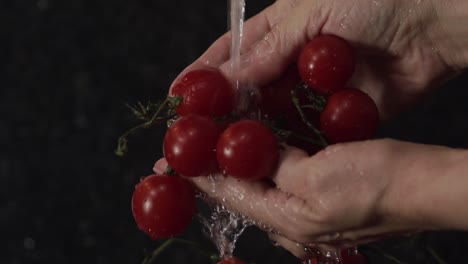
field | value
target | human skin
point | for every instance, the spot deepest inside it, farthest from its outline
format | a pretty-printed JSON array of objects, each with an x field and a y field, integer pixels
[{"x": 361, "y": 190}]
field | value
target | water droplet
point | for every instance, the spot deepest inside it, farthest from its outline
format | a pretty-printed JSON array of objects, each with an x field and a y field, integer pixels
[{"x": 293, "y": 3}]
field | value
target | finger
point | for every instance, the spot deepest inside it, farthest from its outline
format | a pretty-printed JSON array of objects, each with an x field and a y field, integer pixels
[
  {"x": 270, "y": 56},
  {"x": 160, "y": 166},
  {"x": 374, "y": 81},
  {"x": 302, "y": 251},
  {"x": 254, "y": 29},
  {"x": 290, "y": 176},
  {"x": 271, "y": 208},
  {"x": 297, "y": 249}
]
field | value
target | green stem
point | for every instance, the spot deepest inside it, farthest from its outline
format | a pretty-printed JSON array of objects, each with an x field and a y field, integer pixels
[
  {"x": 155, "y": 119},
  {"x": 434, "y": 254},
  {"x": 295, "y": 100},
  {"x": 158, "y": 251},
  {"x": 287, "y": 134}
]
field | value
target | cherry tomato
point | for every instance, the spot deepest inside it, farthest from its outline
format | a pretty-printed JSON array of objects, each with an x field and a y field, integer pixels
[
  {"x": 204, "y": 92},
  {"x": 231, "y": 260},
  {"x": 275, "y": 98},
  {"x": 310, "y": 261},
  {"x": 189, "y": 145},
  {"x": 349, "y": 115},
  {"x": 355, "y": 258},
  {"x": 247, "y": 149},
  {"x": 163, "y": 206},
  {"x": 326, "y": 63},
  {"x": 346, "y": 258}
]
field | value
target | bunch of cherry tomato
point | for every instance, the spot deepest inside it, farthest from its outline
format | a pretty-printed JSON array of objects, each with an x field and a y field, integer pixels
[{"x": 310, "y": 106}]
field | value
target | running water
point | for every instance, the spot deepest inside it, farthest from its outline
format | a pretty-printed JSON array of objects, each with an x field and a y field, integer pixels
[
  {"x": 223, "y": 226},
  {"x": 246, "y": 96},
  {"x": 236, "y": 24}
]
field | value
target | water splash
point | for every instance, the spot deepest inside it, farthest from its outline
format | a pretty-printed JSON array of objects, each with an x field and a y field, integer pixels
[{"x": 223, "y": 227}]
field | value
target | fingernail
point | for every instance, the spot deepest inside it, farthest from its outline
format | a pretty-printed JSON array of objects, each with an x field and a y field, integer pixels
[{"x": 160, "y": 166}]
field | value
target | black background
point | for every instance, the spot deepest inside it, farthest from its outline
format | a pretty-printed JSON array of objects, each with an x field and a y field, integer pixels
[{"x": 67, "y": 70}]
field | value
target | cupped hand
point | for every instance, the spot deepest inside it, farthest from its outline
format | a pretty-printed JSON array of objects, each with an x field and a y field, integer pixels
[
  {"x": 347, "y": 193},
  {"x": 402, "y": 50},
  {"x": 354, "y": 191}
]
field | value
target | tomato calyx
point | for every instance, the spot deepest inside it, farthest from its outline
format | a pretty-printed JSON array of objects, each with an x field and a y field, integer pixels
[
  {"x": 169, "y": 171},
  {"x": 315, "y": 101}
]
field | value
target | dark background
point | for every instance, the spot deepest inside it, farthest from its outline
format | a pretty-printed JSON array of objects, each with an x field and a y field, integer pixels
[{"x": 67, "y": 70}]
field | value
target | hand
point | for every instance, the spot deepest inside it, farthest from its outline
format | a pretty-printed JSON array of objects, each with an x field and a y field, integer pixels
[
  {"x": 360, "y": 190},
  {"x": 354, "y": 192},
  {"x": 403, "y": 48}
]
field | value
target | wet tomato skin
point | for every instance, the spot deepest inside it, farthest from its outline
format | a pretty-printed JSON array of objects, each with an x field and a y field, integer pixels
[
  {"x": 326, "y": 63},
  {"x": 231, "y": 260},
  {"x": 248, "y": 150},
  {"x": 189, "y": 145},
  {"x": 163, "y": 206},
  {"x": 349, "y": 115},
  {"x": 356, "y": 258},
  {"x": 204, "y": 91}
]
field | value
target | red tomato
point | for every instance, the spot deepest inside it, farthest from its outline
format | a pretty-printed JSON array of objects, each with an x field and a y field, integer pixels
[
  {"x": 349, "y": 115},
  {"x": 326, "y": 63},
  {"x": 275, "y": 98},
  {"x": 231, "y": 260},
  {"x": 247, "y": 149},
  {"x": 163, "y": 206},
  {"x": 346, "y": 258},
  {"x": 189, "y": 145},
  {"x": 357, "y": 258},
  {"x": 205, "y": 92}
]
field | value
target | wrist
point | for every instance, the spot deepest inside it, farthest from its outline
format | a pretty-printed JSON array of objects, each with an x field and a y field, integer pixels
[{"x": 450, "y": 32}]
